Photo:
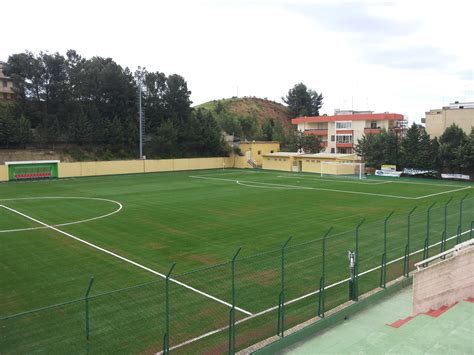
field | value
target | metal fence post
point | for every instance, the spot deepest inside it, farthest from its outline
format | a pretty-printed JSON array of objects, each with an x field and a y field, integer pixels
[
  {"x": 459, "y": 235},
  {"x": 166, "y": 338},
  {"x": 427, "y": 239},
  {"x": 472, "y": 227},
  {"x": 406, "y": 261},
  {"x": 355, "y": 285},
  {"x": 86, "y": 298},
  {"x": 445, "y": 230},
  {"x": 383, "y": 270},
  {"x": 281, "y": 298},
  {"x": 232, "y": 310},
  {"x": 321, "y": 280}
]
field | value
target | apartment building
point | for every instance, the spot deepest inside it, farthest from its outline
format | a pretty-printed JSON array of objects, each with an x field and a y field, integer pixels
[
  {"x": 6, "y": 86},
  {"x": 459, "y": 113},
  {"x": 340, "y": 132}
]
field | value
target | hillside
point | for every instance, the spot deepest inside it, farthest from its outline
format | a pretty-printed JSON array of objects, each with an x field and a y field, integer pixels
[{"x": 250, "y": 107}]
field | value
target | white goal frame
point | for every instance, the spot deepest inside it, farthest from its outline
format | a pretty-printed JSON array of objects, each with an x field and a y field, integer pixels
[{"x": 359, "y": 169}]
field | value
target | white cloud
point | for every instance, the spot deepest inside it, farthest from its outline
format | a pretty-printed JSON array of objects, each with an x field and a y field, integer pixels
[{"x": 405, "y": 56}]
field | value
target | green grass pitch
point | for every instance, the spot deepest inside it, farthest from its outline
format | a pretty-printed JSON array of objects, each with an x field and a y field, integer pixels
[{"x": 126, "y": 231}]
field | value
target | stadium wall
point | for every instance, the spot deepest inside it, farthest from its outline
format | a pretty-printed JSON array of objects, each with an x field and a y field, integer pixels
[
  {"x": 3, "y": 173},
  {"x": 99, "y": 168},
  {"x": 444, "y": 283}
]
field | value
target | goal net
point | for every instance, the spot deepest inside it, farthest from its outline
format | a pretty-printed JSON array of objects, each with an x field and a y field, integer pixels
[
  {"x": 30, "y": 170},
  {"x": 342, "y": 169}
]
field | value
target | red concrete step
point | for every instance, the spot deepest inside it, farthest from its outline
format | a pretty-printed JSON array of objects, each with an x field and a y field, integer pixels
[
  {"x": 400, "y": 322},
  {"x": 439, "y": 311}
]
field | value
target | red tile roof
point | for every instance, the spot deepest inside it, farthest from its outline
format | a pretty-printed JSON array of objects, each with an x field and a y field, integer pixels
[{"x": 360, "y": 117}]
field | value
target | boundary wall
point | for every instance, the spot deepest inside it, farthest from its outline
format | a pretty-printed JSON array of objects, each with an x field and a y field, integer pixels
[
  {"x": 99, "y": 168},
  {"x": 444, "y": 283}
]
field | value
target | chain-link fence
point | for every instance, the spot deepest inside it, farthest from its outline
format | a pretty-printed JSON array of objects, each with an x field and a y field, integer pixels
[{"x": 227, "y": 307}]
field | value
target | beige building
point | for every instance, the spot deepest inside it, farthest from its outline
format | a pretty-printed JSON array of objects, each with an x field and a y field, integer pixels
[
  {"x": 459, "y": 113},
  {"x": 340, "y": 132},
  {"x": 311, "y": 163},
  {"x": 6, "y": 86},
  {"x": 254, "y": 150}
]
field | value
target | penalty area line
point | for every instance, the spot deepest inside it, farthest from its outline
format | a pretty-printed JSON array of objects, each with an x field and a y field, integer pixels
[{"x": 126, "y": 260}]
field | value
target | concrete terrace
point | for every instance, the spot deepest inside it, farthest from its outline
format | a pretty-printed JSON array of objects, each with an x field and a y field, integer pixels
[{"x": 368, "y": 332}]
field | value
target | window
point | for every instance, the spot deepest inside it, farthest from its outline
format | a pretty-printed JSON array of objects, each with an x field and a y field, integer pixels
[
  {"x": 259, "y": 152},
  {"x": 333, "y": 138},
  {"x": 373, "y": 124},
  {"x": 344, "y": 138},
  {"x": 271, "y": 151},
  {"x": 343, "y": 124},
  {"x": 332, "y": 150},
  {"x": 5, "y": 83},
  {"x": 312, "y": 161},
  {"x": 5, "y": 96}
]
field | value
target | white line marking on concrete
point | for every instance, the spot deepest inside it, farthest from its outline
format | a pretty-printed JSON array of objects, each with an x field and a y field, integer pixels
[
  {"x": 120, "y": 206},
  {"x": 304, "y": 187},
  {"x": 126, "y": 260},
  {"x": 298, "y": 299}
]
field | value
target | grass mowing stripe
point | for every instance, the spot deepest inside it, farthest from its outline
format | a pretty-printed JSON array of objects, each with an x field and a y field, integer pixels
[
  {"x": 301, "y": 297},
  {"x": 126, "y": 260}
]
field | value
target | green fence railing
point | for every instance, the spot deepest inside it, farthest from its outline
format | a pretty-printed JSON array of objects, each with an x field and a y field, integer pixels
[{"x": 226, "y": 307}]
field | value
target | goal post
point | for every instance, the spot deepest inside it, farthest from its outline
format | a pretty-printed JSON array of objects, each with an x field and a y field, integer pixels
[
  {"x": 343, "y": 169},
  {"x": 32, "y": 170}
]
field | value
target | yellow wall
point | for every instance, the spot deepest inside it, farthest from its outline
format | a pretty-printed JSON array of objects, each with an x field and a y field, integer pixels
[
  {"x": 277, "y": 163},
  {"x": 3, "y": 173},
  {"x": 97, "y": 168},
  {"x": 263, "y": 147}
]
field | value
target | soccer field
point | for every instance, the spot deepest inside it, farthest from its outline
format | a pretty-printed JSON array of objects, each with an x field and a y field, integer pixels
[{"x": 126, "y": 231}]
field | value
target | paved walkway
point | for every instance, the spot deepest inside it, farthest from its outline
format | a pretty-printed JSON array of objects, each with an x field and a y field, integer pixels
[{"x": 367, "y": 332}]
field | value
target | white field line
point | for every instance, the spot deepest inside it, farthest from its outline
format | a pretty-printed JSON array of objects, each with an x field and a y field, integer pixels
[
  {"x": 63, "y": 224},
  {"x": 299, "y": 298},
  {"x": 127, "y": 260},
  {"x": 335, "y": 179},
  {"x": 303, "y": 187},
  {"x": 268, "y": 187},
  {"x": 305, "y": 177},
  {"x": 444, "y": 192},
  {"x": 295, "y": 187}
]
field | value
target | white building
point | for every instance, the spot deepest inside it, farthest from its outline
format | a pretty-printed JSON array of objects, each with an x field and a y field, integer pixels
[{"x": 340, "y": 132}]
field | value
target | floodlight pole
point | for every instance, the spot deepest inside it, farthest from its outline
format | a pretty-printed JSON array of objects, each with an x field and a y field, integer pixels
[{"x": 140, "y": 117}]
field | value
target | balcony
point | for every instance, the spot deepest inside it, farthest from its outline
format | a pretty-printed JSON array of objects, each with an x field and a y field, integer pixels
[
  {"x": 376, "y": 130},
  {"x": 344, "y": 145},
  {"x": 317, "y": 131},
  {"x": 324, "y": 144}
]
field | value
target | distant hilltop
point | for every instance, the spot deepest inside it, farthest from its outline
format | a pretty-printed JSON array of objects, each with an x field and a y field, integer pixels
[{"x": 239, "y": 109}]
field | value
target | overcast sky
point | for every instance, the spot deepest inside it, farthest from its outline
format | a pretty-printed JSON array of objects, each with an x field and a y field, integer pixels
[{"x": 398, "y": 56}]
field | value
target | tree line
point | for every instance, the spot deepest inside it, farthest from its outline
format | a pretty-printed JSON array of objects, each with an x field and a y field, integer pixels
[
  {"x": 93, "y": 104},
  {"x": 453, "y": 152}
]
